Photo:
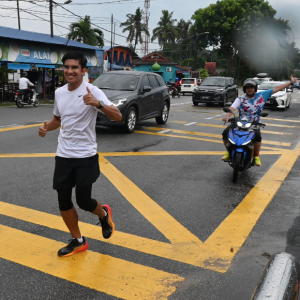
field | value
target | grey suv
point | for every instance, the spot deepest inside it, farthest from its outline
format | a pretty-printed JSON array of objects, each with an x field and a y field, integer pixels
[
  {"x": 218, "y": 90},
  {"x": 138, "y": 95}
]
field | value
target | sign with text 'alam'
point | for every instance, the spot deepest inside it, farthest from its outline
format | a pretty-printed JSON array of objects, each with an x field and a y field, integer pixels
[{"x": 35, "y": 53}]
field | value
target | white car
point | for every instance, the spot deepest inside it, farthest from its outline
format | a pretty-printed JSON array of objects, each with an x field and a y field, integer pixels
[
  {"x": 188, "y": 85},
  {"x": 281, "y": 99}
]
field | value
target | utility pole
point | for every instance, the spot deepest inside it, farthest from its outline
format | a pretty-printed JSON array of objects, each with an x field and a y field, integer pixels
[
  {"x": 111, "y": 33},
  {"x": 196, "y": 47},
  {"x": 19, "y": 22},
  {"x": 146, "y": 21},
  {"x": 51, "y": 17}
]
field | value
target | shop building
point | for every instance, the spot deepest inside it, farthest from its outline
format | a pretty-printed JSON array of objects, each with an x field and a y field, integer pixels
[
  {"x": 155, "y": 62},
  {"x": 40, "y": 56},
  {"x": 122, "y": 57}
]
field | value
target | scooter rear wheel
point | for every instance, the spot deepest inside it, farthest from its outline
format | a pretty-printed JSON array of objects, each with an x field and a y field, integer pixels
[
  {"x": 236, "y": 166},
  {"x": 19, "y": 102}
]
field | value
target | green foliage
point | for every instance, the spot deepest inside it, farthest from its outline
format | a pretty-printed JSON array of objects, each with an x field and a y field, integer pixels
[
  {"x": 166, "y": 31},
  {"x": 135, "y": 27},
  {"x": 3, "y": 73},
  {"x": 203, "y": 73},
  {"x": 248, "y": 28},
  {"x": 82, "y": 31}
]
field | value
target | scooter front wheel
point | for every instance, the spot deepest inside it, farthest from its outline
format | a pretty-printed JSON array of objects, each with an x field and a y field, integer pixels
[
  {"x": 36, "y": 103},
  {"x": 236, "y": 166}
]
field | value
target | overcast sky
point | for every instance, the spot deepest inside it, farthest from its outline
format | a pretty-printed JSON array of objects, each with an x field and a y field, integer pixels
[{"x": 101, "y": 14}]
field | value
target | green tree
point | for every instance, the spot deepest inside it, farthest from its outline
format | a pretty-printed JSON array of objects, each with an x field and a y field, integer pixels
[
  {"x": 203, "y": 73},
  {"x": 238, "y": 29},
  {"x": 135, "y": 27},
  {"x": 166, "y": 31},
  {"x": 82, "y": 31}
]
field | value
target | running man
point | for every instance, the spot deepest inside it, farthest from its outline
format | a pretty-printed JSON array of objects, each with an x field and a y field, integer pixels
[{"x": 76, "y": 163}]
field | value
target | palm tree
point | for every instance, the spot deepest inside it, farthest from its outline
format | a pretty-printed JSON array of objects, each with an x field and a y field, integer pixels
[
  {"x": 183, "y": 29},
  {"x": 83, "y": 32},
  {"x": 166, "y": 30},
  {"x": 135, "y": 27}
]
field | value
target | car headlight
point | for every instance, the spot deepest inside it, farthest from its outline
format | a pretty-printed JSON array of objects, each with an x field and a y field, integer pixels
[
  {"x": 119, "y": 101},
  {"x": 219, "y": 90}
]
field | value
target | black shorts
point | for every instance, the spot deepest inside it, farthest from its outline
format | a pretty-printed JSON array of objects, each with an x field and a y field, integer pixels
[{"x": 79, "y": 172}]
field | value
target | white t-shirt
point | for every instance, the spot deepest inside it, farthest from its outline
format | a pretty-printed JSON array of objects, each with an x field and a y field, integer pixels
[
  {"x": 77, "y": 137},
  {"x": 24, "y": 83}
]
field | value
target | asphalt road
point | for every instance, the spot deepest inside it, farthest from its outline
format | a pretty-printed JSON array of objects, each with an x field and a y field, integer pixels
[{"x": 183, "y": 229}]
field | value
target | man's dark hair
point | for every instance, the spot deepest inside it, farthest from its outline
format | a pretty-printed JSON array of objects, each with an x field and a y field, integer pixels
[{"x": 77, "y": 55}]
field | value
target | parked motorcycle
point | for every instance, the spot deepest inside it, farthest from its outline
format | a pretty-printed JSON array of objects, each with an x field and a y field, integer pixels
[
  {"x": 241, "y": 146},
  {"x": 22, "y": 98}
]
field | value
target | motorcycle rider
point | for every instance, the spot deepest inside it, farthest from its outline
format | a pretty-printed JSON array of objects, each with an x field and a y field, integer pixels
[
  {"x": 251, "y": 104},
  {"x": 178, "y": 85},
  {"x": 24, "y": 86}
]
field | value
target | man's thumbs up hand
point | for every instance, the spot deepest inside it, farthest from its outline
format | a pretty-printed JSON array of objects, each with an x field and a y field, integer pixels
[
  {"x": 89, "y": 99},
  {"x": 43, "y": 130}
]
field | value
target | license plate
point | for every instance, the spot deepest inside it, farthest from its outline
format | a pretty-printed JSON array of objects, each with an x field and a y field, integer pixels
[
  {"x": 187, "y": 86},
  {"x": 205, "y": 97},
  {"x": 269, "y": 102}
]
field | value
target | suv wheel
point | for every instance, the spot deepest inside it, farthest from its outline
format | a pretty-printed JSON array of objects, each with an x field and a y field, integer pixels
[
  {"x": 225, "y": 100},
  {"x": 164, "y": 115},
  {"x": 131, "y": 119}
]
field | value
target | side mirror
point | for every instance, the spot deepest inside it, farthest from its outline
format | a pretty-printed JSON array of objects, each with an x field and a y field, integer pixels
[
  {"x": 263, "y": 114},
  {"x": 146, "y": 89},
  {"x": 226, "y": 109}
]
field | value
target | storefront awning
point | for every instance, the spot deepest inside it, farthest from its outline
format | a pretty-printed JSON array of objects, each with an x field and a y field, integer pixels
[
  {"x": 13, "y": 66},
  {"x": 45, "y": 66}
]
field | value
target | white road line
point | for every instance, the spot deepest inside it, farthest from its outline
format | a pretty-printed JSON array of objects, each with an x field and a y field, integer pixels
[
  {"x": 189, "y": 124},
  {"x": 12, "y": 125},
  {"x": 209, "y": 118},
  {"x": 164, "y": 131}
]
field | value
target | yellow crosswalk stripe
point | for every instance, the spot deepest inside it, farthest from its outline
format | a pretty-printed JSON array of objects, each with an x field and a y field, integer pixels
[
  {"x": 224, "y": 126},
  {"x": 215, "y": 135},
  {"x": 103, "y": 273},
  {"x": 196, "y": 138}
]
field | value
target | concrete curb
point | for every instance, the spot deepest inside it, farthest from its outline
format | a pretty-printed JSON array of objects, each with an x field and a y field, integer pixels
[{"x": 280, "y": 279}]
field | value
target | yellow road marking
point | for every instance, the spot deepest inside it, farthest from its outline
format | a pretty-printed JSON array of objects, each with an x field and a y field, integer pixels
[
  {"x": 224, "y": 126},
  {"x": 21, "y": 127},
  {"x": 273, "y": 125},
  {"x": 215, "y": 135},
  {"x": 185, "y": 246},
  {"x": 236, "y": 227},
  {"x": 194, "y": 138},
  {"x": 103, "y": 273}
]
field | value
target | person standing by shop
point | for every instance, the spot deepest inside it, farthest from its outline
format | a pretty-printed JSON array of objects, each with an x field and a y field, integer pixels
[{"x": 76, "y": 163}]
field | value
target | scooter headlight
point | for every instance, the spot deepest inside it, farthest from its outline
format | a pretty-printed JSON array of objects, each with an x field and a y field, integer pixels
[
  {"x": 248, "y": 125},
  {"x": 239, "y": 124},
  {"x": 246, "y": 143}
]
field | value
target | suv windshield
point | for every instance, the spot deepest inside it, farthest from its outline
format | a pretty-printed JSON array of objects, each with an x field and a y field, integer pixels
[
  {"x": 120, "y": 82},
  {"x": 214, "y": 81}
]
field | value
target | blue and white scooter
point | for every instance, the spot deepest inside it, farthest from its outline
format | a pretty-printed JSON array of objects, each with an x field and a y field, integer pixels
[{"x": 241, "y": 146}]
